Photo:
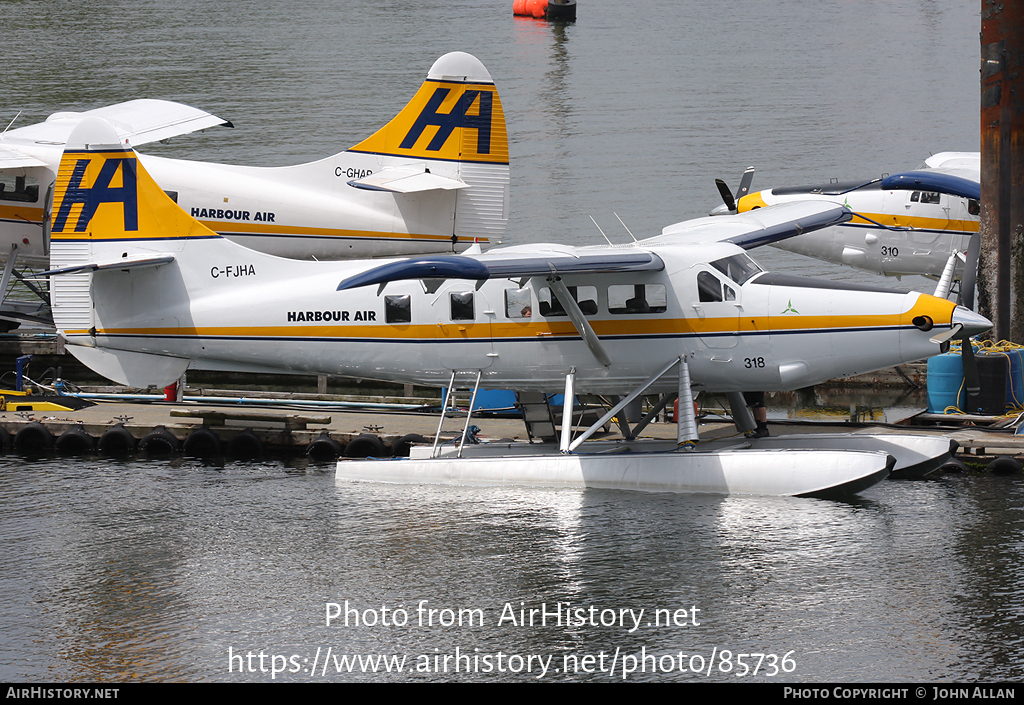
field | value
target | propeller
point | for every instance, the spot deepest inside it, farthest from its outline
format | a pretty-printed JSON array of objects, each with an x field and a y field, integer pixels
[{"x": 728, "y": 199}]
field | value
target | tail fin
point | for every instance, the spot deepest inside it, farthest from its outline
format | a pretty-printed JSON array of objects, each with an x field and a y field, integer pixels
[
  {"x": 109, "y": 213},
  {"x": 455, "y": 122}
]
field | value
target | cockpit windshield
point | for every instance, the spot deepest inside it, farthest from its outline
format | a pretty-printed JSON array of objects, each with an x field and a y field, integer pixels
[{"x": 739, "y": 268}]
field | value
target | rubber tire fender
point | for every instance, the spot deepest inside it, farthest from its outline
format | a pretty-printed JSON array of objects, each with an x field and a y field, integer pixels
[
  {"x": 246, "y": 446},
  {"x": 33, "y": 438},
  {"x": 401, "y": 447},
  {"x": 323, "y": 448},
  {"x": 117, "y": 441},
  {"x": 202, "y": 443},
  {"x": 1004, "y": 465},
  {"x": 159, "y": 443},
  {"x": 365, "y": 445},
  {"x": 75, "y": 441}
]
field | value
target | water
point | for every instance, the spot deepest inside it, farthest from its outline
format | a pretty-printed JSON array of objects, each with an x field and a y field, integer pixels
[
  {"x": 163, "y": 571},
  {"x": 155, "y": 570}
]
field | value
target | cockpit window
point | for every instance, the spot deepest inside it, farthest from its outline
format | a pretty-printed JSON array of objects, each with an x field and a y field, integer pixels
[
  {"x": 739, "y": 268},
  {"x": 924, "y": 197}
]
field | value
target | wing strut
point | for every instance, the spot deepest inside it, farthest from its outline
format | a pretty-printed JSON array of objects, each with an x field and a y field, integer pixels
[{"x": 578, "y": 320}]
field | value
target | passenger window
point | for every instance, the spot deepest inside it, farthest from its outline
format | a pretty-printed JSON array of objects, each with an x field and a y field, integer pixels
[
  {"x": 586, "y": 298},
  {"x": 518, "y": 303},
  {"x": 730, "y": 295},
  {"x": 636, "y": 298},
  {"x": 973, "y": 207},
  {"x": 462, "y": 306},
  {"x": 929, "y": 197},
  {"x": 549, "y": 304},
  {"x": 19, "y": 188},
  {"x": 915, "y": 197},
  {"x": 709, "y": 287},
  {"x": 398, "y": 309}
]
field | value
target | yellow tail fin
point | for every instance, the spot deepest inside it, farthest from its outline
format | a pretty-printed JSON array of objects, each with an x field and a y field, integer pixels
[
  {"x": 103, "y": 193},
  {"x": 456, "y": 115}
]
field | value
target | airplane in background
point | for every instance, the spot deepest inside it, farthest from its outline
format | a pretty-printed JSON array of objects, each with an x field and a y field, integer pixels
[
  {"x": 434, "y": 179},
  {"x": 686, "y": 310},
  {"x": 910, "y": 223}
]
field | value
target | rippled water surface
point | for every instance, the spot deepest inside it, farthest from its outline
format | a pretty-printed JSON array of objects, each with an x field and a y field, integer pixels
[
  {"x": 156, "y": 570},
  {"x": 184, "y": 571}
]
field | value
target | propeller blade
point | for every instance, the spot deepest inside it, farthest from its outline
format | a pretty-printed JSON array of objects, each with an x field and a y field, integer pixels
[
  {"x": 730, "y": 202},
  {"x": 971, "y": 381},
  {"x": 744, "y": 189},
  {"x": 940, "y": 338}
]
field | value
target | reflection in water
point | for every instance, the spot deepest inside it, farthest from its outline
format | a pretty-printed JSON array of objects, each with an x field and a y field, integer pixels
[{"x": 122, "y": 571}]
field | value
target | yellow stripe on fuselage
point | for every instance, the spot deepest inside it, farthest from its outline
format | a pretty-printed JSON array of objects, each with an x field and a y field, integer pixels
[
  {"x": 753, "y": 201},
  {"x": 939, "y": 310},
  {"x": 237, "y": 228},
  {"x": 32, "y": 216}
]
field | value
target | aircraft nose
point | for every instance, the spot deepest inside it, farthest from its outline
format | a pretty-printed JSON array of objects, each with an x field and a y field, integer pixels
[{"x": 973, "y": 323}]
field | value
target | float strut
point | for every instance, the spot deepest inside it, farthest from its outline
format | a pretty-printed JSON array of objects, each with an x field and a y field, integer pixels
[{"x": 686, "y": 433}]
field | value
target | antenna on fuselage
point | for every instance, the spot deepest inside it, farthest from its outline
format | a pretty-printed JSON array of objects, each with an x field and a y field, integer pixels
[
  {"x": 602, "y": 232},
  {"x": 12, "y": 122},
  {"x": 624, "y": 225}
]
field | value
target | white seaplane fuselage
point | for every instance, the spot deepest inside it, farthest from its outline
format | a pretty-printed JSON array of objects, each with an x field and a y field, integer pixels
[
  {"x": 894, "y": 232},
  {"x": 248, "y": 310}
]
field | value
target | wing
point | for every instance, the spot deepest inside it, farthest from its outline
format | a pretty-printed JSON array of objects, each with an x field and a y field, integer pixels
[
  {"x": 942, "y": 182},
  {"x": 512, "y": 262},
  {"x": 749, "y": 230},
  {"x": 755, "y": 228},
  {"x": 137, "y": 121}
]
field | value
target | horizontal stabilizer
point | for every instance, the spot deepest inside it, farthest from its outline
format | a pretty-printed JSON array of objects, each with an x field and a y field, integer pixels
[
  {"x": 933, "y": 181},
  {"x": 506, "y": 265},
  {"x": 406, "y": 180},
  {"x": 123, "y": 263},
  {"x": 137, "y": 121}
]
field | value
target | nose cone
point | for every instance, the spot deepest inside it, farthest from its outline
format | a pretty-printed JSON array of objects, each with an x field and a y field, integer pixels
[
  {"x": 973, "y": 323},
  {"x": 721, "y": 210}
]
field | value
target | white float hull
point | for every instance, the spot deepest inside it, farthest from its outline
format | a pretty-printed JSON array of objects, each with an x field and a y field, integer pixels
[
  {"x": 752, "y": 472},
  {"x": 916, "y": 456}
]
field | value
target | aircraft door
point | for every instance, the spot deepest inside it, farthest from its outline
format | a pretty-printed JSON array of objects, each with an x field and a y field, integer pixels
[
  {"x": 715, "y": 308},
  {"x": 463, "y": 331}
]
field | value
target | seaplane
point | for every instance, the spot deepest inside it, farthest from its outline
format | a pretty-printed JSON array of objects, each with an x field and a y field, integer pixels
[
  {"x": 433, "y": 179},
  {"x": 142, "y": 292},
  {"x": 918, "y": 222}
]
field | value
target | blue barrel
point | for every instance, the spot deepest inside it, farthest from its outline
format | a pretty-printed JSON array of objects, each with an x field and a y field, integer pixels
[{"x": 945, "y": 382}]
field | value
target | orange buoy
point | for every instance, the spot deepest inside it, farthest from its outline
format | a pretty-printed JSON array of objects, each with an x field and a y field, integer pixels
[{"x": 530, "y": 8}]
